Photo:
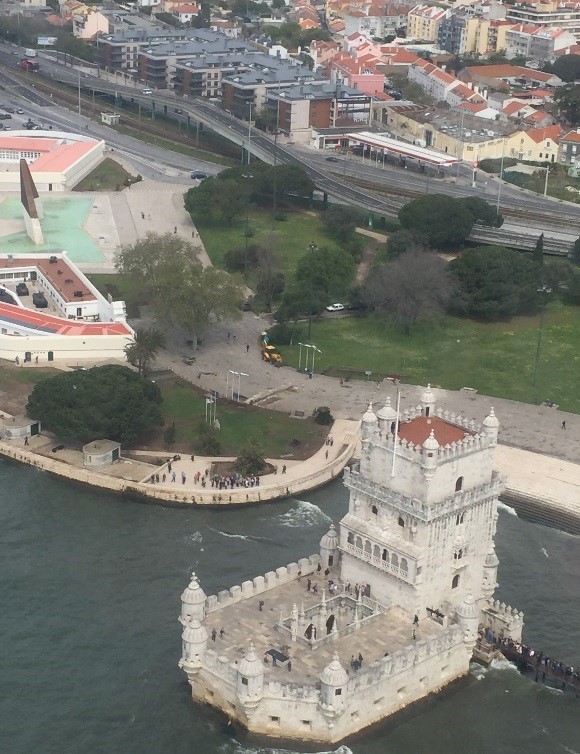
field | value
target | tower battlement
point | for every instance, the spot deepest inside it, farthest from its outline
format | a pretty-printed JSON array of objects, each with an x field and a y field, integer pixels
[{"x": 402, "y": 588}]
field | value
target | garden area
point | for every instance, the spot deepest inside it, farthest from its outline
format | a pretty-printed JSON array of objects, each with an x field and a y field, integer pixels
[
  {"x": 108, "y": 176},
  {"x": 495, "y": 358}
]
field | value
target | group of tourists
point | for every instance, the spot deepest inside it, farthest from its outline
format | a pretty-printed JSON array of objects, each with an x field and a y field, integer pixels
[
  {"x": 539, "y": 660},
  {"x": 234, "y": 481}
]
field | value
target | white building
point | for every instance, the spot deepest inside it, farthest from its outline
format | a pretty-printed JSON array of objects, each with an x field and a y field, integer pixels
[
  {"x": 76, "y": 322},
  {"x": 404, "y": 587}
]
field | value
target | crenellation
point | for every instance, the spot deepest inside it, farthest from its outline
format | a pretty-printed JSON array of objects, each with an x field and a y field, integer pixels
[{"x": 418, "y": 537}]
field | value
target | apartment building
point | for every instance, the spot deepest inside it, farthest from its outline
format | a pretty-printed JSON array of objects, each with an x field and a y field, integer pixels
[
  {"x": 537, "y": 44},
  {"x": 569, "y": 148},
  {"x": 423, "y": 22},
  {"x": 550, "y": 15},
  {"x": 441, "y": 85},
  {"x": 377, "y": 20}
]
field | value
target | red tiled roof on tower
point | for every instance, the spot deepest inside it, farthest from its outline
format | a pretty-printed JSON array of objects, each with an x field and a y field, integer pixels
[{"x": 418, "y": 430}]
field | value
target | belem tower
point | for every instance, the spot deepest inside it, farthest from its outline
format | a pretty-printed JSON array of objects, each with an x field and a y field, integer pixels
[{"x": 390, "y": 609}]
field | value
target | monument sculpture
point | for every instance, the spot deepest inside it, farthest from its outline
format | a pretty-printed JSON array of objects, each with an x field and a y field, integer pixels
[
  {"x": 386, "y": 613},
  {"x": 32, "y": 209}
]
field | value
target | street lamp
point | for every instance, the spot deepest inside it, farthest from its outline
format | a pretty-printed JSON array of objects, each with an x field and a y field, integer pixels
[
  {"x": 247, "y": 176},
  {"x": 234, "y": 374},
  {"x": 543, "y": 290},
  {"x": 500, "y": 176}
]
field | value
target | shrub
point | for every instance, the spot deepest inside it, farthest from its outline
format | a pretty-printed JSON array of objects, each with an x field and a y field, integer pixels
[
  {"x": 207, "y": 440},
  {"x": 323, "y": 416}
]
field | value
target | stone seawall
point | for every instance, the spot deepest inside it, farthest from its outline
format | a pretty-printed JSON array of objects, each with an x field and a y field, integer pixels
[{"x": 208, "y": 497}]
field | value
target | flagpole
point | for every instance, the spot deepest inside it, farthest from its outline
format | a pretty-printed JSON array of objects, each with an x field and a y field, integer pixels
[{"x": 395, "y": 445}]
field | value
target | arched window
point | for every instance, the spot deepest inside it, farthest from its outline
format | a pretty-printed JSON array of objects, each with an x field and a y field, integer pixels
[
  {"x": 358, "y": 543},
  {"x": 376, "y": 551},
  {"x": 368, "y": 546},
  {"x": 459, "y": 519},
  {"x": 459, "y": 484},
  {"x": 395, "y": 560},
  {"x": 401, "y": 522},
  {"x": 350, "y": 538},
  {"x": 385, "y": 556},
  {"x": 455, "y": 582},
  {"x": 375, "y": 510},
  {"x": 404, "y": 565}
]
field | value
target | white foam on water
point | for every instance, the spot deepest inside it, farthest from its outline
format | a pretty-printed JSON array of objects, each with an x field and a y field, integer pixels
[
  {"x": 507, "y": 509},
  {"x": 304, "y": 514},
  {"x": 478, "y": 671},
  {"x": 239, "y": 748},
  {"x": 229, "y": 535},
  {"x": 503, "y": 664},
  {"x": 543, "y": 551},
  {"x": 195, "y": 537}
]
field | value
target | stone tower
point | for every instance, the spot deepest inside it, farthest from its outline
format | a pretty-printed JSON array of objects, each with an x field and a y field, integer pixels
[{"x": 422, "y": 510}]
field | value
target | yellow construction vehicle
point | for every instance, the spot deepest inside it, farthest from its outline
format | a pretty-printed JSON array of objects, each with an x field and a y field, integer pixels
[{"x": 271, "y": 356}]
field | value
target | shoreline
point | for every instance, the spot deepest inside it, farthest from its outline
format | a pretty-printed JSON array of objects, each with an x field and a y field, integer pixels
[{"x": 530, "y": 506}]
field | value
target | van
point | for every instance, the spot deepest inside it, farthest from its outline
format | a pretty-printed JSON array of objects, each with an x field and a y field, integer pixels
[
  {"x": 39, "y": 300},
  {"x": 146, "y": 91},
  {"x": 30, "y": 53}
]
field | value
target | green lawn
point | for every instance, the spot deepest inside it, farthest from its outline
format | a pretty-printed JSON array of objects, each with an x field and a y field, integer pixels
[
  {"x": 291, "y": 237},
  {"x": 278, "y": 434},
  {"x": 496, "y": 359},
  {"x": 175, "y": 146},
  {"x": 108, "y": 176}
]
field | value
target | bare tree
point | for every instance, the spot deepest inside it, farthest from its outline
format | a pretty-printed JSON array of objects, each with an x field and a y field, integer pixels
[{"x": 413, "y": 288}]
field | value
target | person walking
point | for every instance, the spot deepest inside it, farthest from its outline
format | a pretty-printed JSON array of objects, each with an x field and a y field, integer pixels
[
  {"x": 564, "y": 424},
  {"x": 247, "y": 348},
  {"x": 213, "y": 634}
]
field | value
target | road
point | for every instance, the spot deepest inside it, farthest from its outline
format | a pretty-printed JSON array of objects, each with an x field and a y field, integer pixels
[{"x": 532, "y": 214}]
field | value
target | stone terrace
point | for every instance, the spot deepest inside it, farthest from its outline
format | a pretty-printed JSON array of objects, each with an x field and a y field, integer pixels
[{"x": 244, "y": 623}]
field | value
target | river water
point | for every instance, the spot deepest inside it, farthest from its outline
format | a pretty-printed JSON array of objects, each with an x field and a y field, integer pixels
[{"x": 90, "y": 591}]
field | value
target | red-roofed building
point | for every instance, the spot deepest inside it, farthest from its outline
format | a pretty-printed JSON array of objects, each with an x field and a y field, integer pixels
[
  {"x": 535, "y": 145},
  {"x": 419, "y": 429},
  {"x": 57, "y": 160},
  {"x": 364, "y": 77}
]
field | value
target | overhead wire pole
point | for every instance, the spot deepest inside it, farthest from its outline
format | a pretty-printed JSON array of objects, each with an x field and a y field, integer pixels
[
  {"x": 79, "y": 105},
  {"x": 500, "y": 176}
]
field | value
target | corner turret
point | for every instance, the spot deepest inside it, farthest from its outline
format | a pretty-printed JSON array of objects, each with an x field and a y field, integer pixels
[
  {"x": 368, "y": 422},
  {"x": 329, "y": 548},
  {"x": 193, "y": 601},
  {"x": 427, "y": 401},
  {"x": 194, "y": 646},
  {"x": 467, "y": 614},
  {"x": 386, "y": 416},
  {"x": 491, "y": 426},
  {"x": 489, "y": 584},
  {"x": 429, "y": 455},
  {"x": 333, "y": 682},
  {"x": 250, "y": 681}
]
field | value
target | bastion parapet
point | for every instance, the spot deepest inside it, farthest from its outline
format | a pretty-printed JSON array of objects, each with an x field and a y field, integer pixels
[{"x": 390, "y": 610}]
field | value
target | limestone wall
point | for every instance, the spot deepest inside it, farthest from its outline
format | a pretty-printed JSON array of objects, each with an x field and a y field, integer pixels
[{"x": 242, "y": 496}]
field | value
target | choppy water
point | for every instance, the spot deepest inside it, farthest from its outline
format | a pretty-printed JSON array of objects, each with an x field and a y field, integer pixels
[{"x": 89, "y": 595}]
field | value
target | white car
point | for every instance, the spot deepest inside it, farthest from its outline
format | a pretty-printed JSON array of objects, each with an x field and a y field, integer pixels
[
  {"x": 146, "y": 91},
  {"x": 335, "y": 308}
]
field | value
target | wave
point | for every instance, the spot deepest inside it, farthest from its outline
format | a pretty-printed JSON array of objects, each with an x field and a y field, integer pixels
[
  {"x": 500, "y": 663},
  {"x": 544, "y": 552},
  {"x": 229, "y": 535},
  {"x": 195, "y": 537},
  {"x": 239, "y": 748},
  {"x": 507, "y": 509},
  {"x": 304, "y": 514}
]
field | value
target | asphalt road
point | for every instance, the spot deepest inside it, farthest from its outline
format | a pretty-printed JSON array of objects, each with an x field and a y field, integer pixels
[{"x": 162, "y": 164}]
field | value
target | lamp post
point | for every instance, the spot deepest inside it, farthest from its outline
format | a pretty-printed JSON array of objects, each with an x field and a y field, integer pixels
[
  {"x": 500, "y": 176},
  {"x": 249, "y": 134},
  {"x": 247, "y": 176},
  {"x": 234, "y": 374},
  {"x": 79, "y": 103},
  {"x": 543, "y": 290},
  {"x": 546, "y": 182},
  {"x": 460, "y": 156}
]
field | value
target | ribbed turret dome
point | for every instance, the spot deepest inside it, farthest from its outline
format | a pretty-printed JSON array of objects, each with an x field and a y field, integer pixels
[
  {"x": 491, "y": 420},
  {"x": 330, "y": 540},
  {"x": 428, "y": 397},
  {"x": 194, "y": 594},
  {"x": 491, "y": 560},
  {"x": 251, "y": 666},
  {"x": 334, "y": 674},
  {"x": 431, "y": 443},
  {"x": 468, "y": 608},
  {"x": 387, "y": 413},
  {"x": 194, "y": 633},
  {"x": 369, "y": 417}
]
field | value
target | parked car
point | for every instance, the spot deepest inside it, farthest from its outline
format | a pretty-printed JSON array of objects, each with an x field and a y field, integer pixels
[
  {"x": 331, "y": 159},
  {"x": 198, "y": 176},
  {"x": 9, "y": 109},
  {"x": 146, "y": 91},
  {"x": 6, "y": 296},
  {"x": 177, "y": 110},
  {"x": 39, "y": 300},
  {"x": 20, "y": 112},
  {"x": 22, "y": 289},
  {"x": 335, "y": 308}
]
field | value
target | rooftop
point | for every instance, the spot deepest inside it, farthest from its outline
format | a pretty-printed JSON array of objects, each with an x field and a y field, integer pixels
[
  {"x": 58, "y": 273},
  {"x": 47, "y": 323},
  {"x": 418, "y": 430},
  {"x": 378, "y": 634}
]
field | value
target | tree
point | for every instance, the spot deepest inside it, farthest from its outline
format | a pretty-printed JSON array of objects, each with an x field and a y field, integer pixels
[
  {"x": 403, "y": 240},
  {"x": 411, "y": 289},
  {"x": 170, "y": 436},
  {"x": 270, "y": 281},
  {"x": 216, "y": 200},
  {"x": 341, "y": 222},
  {"x": 493, "y": 282},
  {"x": 483, "y": 212},
  {"x": 108, "y": 402},
  {"x": 251, "y": 460},
  {"x": 538, "y": 252},
  {"x": 567, "y": 67},
  {"x": 575, "y": 253},
  {"x": 445, "y": 222},
  {"x": 181, "y": 291},
  {"x": 144, "y": 348},
  {"x": 329, "y": 272},
  {"x": 568, "y": 100},
  {"x": 207, "y": 440}
]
